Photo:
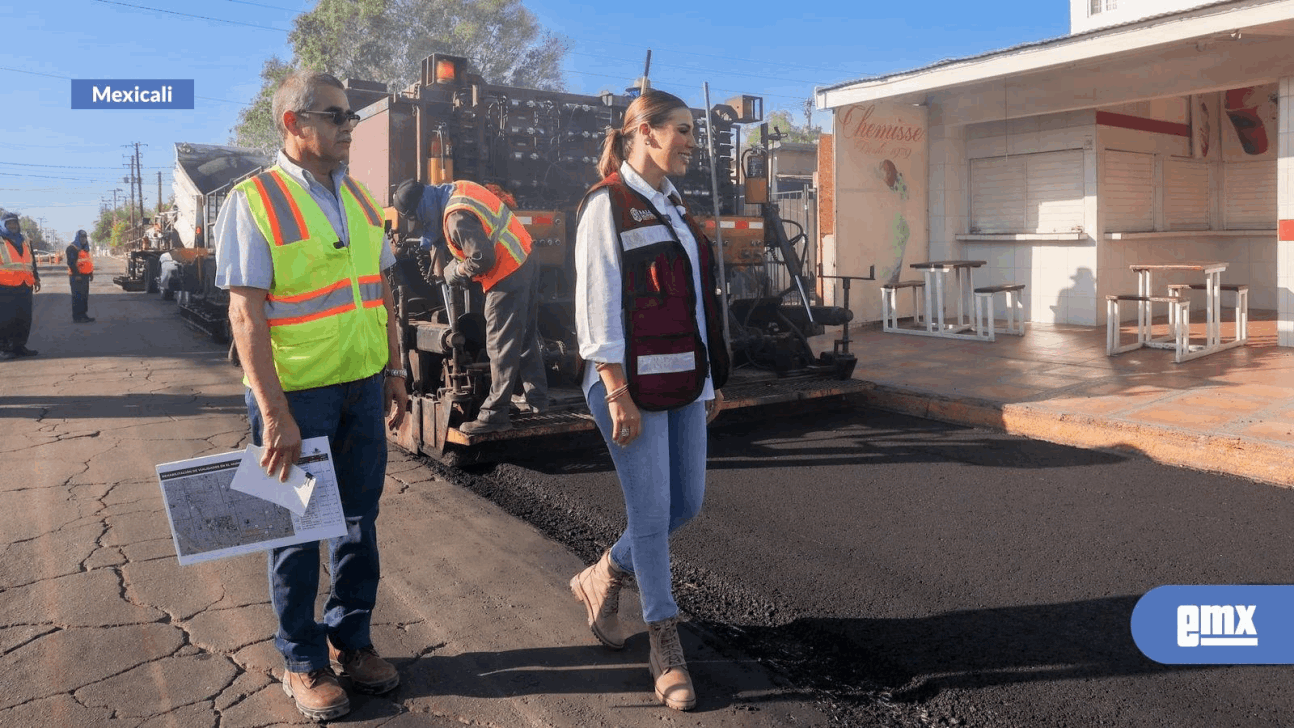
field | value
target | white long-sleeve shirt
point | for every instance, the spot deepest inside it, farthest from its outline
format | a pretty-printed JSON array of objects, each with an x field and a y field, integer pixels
[{"x": 599, "y": 310}]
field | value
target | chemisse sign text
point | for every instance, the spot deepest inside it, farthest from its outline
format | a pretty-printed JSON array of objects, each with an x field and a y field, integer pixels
[{"x": 121, "y": 93}]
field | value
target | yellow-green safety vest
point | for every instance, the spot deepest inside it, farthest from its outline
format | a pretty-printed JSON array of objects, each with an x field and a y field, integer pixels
[{"x": 325, "y": 309}]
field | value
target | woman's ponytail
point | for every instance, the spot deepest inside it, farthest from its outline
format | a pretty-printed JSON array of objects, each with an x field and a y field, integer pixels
[{"x": 654, "y": 108}]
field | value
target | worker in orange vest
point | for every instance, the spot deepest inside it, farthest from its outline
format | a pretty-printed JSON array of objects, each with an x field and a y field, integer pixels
[
  {"x": 490, "y": 246},
  {"x": 18, "y": 281},
  {"x": 80, "y": 271}
]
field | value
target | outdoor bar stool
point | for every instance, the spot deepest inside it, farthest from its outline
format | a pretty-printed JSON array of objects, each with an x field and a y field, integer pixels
[
  {"x": 1180, "y": 325},
  {"x": 984, "y": 310},
  {"x": 1242, "y": 302},
  {"x": 889, "y": 303}
]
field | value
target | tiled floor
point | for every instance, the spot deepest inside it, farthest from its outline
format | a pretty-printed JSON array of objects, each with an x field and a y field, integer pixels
[{"x": 1240, "y": 398}]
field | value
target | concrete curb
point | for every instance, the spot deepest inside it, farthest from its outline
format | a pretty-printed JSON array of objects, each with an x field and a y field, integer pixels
[{"x": 1226, "y": 454}]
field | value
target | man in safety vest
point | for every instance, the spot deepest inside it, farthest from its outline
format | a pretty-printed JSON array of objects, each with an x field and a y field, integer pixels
[
  {"x": 80, "y": 271},
  {"x": 489, "y": 245},
  {"x": 18, "y": 281},
  {"x": 301, "y": 249}
]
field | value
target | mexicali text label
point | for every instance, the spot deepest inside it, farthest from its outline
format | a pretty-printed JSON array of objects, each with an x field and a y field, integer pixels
[{"x": 170, "y": 93}]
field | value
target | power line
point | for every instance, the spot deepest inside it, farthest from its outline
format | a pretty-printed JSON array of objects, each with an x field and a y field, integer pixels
[
  {"x": 69, "y": 78},
  {"x": 712, "y": 55},
  {"x": 701, "y": 70},
  {"x": 66, "y": 166},
  {"x": 34, "y": 73},
  {"x": 656, "y": 79},
  {"x": 199, "y": 17}
]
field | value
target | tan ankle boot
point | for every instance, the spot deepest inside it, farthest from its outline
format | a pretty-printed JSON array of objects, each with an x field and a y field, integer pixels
[
  {"x": 317, "y": 693},
  {"x": 598, "y": 588},
  {"x": 668, "y": 667}
]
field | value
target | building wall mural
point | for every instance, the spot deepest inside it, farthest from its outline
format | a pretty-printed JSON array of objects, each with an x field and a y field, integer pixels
[
  {"x": 1249, "y": 123},
  {"x": 881, "y": 195}
]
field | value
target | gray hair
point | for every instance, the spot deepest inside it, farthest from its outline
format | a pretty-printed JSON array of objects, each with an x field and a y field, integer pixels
[{"x": 297, "y": 93}]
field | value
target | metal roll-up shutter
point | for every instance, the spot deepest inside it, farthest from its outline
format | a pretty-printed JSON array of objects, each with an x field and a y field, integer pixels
[
  {"x": 1128, "y": 181},
  {"x": 1249, "y": 195},
  {"x": 1054, "y": 203},
  {"x": 997, "y": 195},
  {"x": 1027, "y": 193},
  {"x": 1186, "y": 195}
]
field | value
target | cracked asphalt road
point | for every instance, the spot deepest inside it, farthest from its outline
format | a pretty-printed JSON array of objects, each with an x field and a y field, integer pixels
[{"x": 99, "y": 626}]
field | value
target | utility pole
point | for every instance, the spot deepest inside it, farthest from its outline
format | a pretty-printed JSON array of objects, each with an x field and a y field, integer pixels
[
  {"x": 159, "y": 190},
  {"x": 136, "y": 180},
  {"x": 139, "y": 179},
  {"x": 130, "y": 181}
]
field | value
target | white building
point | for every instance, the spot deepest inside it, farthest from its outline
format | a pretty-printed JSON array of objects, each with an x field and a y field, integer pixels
[
  {"x": 1156, "y": 131},
  {"x": 1085, "y": 15}
]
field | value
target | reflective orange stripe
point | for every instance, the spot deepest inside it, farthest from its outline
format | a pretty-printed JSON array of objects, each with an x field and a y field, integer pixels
[
  {"x": 275, "y": 230},
  {"x": 313, "y": 316},
  {"x": 365, "y": 204},
  {"x": 374, "y": 304},
  {"x": 292, "y": 203},
  {"x": 310, "y": 294}
]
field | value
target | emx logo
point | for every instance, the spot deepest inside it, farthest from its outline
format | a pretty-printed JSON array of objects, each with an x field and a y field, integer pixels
[
  {"x": 1216, "y": 624},
  {"x": 1209, "y": 625}
]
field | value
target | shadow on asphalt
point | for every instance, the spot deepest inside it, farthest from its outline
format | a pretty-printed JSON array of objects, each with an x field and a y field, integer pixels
[
  {"x": 916, "y": 659},
  {"x": 836, "y": 437},
  {"x": 83, "y": 406},
  {"x": 584, "y": 670}
]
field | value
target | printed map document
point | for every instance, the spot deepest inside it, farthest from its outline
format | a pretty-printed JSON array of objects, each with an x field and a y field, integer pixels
[{"x": 210, "y": 520}]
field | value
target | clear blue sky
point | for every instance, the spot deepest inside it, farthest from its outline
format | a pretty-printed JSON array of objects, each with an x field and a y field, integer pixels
[{"x": 57, "y": 163}]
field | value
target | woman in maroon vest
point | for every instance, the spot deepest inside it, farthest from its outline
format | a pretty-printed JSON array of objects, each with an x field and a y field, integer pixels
[{"x": 647, "y": 315}]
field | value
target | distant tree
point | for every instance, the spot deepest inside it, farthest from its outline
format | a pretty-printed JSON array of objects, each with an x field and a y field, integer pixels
[
  {"x": 34, "y": 233},
  {"x": 779, "y": 121},
  {"x": 386, "y": 40},
  {"x": 110, "y": 226},
  {"x": 255, "y": 127}
]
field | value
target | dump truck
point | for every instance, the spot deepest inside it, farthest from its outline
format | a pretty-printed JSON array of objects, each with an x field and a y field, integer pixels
[
  {"x": 542, "y": 147},
  {"x": 172, "y": 255}
]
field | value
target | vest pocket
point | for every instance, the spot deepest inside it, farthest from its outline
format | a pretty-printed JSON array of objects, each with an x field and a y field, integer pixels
[{"x": 667, "y": 371}]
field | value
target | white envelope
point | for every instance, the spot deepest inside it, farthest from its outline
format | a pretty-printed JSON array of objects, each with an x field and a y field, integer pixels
[{"x": 252, "y": 479}]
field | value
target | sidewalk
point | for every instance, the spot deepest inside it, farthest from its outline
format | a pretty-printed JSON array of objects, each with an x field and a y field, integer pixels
[
  {"x": 99, "y": 626},
  {"x": 1230, "y": 412}
]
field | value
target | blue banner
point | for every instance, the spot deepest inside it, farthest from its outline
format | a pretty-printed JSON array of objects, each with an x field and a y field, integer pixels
[
  {"x": 135, "y": 93},
  {"x": 1216, "y": 625}
]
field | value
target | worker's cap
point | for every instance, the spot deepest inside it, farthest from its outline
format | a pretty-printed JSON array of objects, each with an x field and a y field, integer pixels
[
  {"x": 9, "y": 216},
  {"x": 81, "y": 233},
  {"x": 407, "y": 196}
]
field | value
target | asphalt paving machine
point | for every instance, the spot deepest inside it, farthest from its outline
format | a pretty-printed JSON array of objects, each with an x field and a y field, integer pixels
[{"x": 542, "y": 147}]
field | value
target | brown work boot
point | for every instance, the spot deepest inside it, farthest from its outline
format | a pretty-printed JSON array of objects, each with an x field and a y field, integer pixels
[
  {"x": 318, "y": 694},
  {"x": 668, "y": 667},
  {"x": 368, "y": 673},
  {"x": 598, "y": 587}
]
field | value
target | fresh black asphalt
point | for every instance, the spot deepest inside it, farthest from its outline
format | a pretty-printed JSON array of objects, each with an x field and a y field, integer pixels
[{"x": 908, "y": 572}]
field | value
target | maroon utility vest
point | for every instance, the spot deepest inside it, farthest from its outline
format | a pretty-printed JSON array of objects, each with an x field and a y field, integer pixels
[{"x": 665, "y": 354}]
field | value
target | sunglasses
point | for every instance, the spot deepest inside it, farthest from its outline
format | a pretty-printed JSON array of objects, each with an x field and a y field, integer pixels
[{"x": 336, "y": 116}]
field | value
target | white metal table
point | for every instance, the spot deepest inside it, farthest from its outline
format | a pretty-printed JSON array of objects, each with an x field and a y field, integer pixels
[
  {"x": 936, "y": 275},
  {"x": 1212, "y": 271}
]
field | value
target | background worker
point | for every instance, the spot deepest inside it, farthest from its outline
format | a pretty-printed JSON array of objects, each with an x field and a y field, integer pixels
[
  {"x": 649, "y": 324},
  {"x": 19, "y": 279},
  {"x": 311, "y": 315},
  {"x": 80, "y": 271},
  {"x": 491, "y": 246}
]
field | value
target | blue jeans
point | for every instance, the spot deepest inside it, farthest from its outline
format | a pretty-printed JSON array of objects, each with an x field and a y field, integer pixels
[
  {"x": 350, "y": 416},
  {"x": 662, "y": 474}
]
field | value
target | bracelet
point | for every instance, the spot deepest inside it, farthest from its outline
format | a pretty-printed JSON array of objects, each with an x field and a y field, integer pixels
[
  {"x": 401, "y": 373},
  {"x": 599, "y": 366},
  {"x": 617, "y": 393}
]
